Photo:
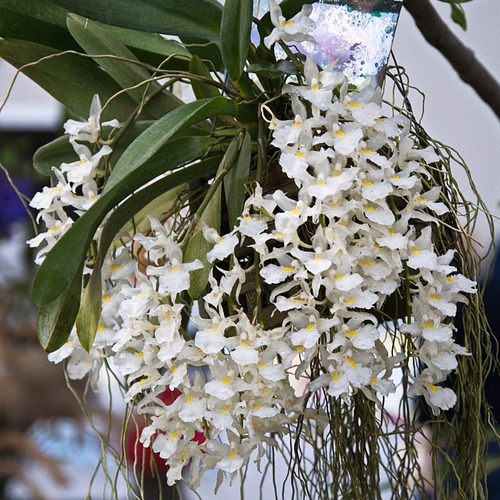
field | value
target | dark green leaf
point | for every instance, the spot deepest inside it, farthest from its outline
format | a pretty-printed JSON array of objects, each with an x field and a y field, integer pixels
[
  {"x": 53, "y": 154},
  {"x": 206, "y": 52},
  {"x": 235, "y": 180},
  {"x": 235, "y": 35},
  {"x": 151, "y": 43},
  {"x": 153, "y": 138},
  {"x": 274, "y": 70},
  {"x": 96, "y": 40},
  {"x": 198, "y": 246},
  {"x": 196, "y": 18},
  {"x": 56, "y": 318},
  {"x": 43, "y": 22},
  {"x": 60, "y": 150},
  {"x": 247, "y": 113},
  {"x": 201, "y": 89},
  {"x": 37, "y": 21},
  {"x": 71, "y": 79},
  {"x": 65, "y": 260},
  {"x": 89, "y": 314},
  {"x": 458, "y": 16},
  {"x": 143, "y": 198}
]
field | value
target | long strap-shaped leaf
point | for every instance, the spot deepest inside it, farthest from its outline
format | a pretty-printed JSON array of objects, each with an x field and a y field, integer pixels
[
  {"x": 97, "y": 40},
  {"x": 194, "y": 18},
  {"x": 235, "y": 35},
  {"x": 56, "y": 318},
  {"x": 153, "y": 138},
  {"x": 209, "y": 213},
  {"x": 37, "y": 21},
  {"x": 43, "y": 22},
  {"x": 138, "y": 165},
  {"x": 71, "y": 79},
  {"x": 60, "y": 150},
  {"x": 235, "y": 180}
]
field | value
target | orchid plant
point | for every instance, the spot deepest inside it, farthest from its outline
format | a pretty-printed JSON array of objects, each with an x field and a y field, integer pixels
[{"x": 285, "y": 251}]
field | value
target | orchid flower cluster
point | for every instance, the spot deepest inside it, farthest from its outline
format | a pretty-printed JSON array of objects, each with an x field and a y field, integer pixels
[
  {"x": 354, "y": 230},
  {"x": 77, "y": 182}
]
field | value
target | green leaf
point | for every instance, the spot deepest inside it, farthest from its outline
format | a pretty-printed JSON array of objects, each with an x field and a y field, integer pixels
[
  {"x": 153, "y": 138},
  {"x": 247, "y": 113},
  {"x": 198, "y": 246},
  {"x": 43, "y": 22},
  {"x": 53, "y": 154},
  {"x": 196, "y": 18},
  {"x": 235, "y": 30},
  {"x": 274, "y": 70},
  {"x": 201, "y": 89},
  {"x": 96, "y": 40},
  {"x": 56, "y": 318},
  {"x": 149, "y": 43},
  {"x": 71, "y": 79},
  {"x": 209, "y": 214},
  {"x": 235, "y": 180},
  {"x": 205, "y": 51},
  {"x": 37, "y": 21},
  {"x": 65, "y": 260},
  {"x": 458, "y": 16},
  {"x": 132, "y": 206},
  {"x": 89, "y": 314},
  {"x": 163, "y": 194},
  {"x": 60, "y": 150}
]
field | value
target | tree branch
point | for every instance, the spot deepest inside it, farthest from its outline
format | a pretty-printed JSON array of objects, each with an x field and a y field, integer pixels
[{"x": 461, "y": 57}]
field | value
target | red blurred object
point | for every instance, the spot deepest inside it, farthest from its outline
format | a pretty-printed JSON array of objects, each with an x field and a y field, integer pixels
[{"x": 138, "y": 455}]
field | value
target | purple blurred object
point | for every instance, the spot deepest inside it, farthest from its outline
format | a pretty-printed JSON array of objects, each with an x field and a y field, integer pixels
[{"x": 11, "y": 208}]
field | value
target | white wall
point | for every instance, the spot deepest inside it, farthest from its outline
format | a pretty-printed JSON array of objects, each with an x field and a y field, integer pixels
[
  {"x": 29, "y": 107},
  {"x": 454, "y": 114}
]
